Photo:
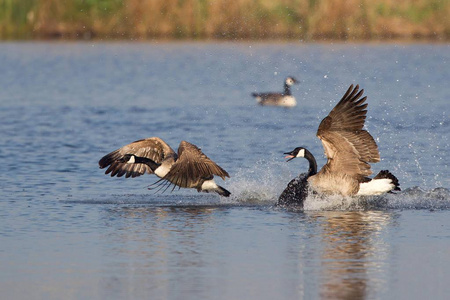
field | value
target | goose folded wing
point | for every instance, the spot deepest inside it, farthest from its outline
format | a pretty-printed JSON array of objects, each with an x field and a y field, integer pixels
[
  {"x": 154, "y": 149},
  {"x": 268, "y": 96},
  {"x": 192, "y": 165}
]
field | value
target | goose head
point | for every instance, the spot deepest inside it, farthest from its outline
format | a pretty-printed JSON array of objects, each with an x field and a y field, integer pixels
[
  {"x": 297, "y": 152},
  {"x": 303, "y": 152},
  {"x": 290, "y": 81}
]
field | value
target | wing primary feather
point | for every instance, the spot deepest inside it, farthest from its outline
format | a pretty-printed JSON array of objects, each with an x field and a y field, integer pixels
[
  {"x": 352, "y": 99},
  {"x": 161, "y": 185},
  {"x": 360, "y": 101},
  {"x": 355, "y": 91},
  {"x": 155, "y": 184},
  {"x": 167, "y": 186},
  {"x": 347, "y": 92},
  {"x": 108, "y": 170},
  {"x": 114, "y": 168},
  {"x": 128, "y": 170},
  {"x": 121, "y": 172}
]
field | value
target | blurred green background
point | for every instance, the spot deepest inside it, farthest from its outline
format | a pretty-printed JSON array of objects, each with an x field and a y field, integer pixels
[{"x": 225, "y": 19}]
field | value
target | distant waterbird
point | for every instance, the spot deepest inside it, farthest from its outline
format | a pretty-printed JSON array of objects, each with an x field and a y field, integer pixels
[
  {"x": 278, "y": 99},
  {"x": 349, "y": 150},
  {"x": 188, "y": 168}
]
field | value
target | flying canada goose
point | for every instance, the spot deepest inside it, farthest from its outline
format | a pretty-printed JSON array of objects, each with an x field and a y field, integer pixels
[
  {"x": 278, "y": 99},
  {"x": 190, "y": 168},
  {"x": 349, "y": 149}
]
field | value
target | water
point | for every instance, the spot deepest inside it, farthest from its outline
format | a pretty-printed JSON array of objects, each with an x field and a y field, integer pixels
[{"x": 68, "y": 231}]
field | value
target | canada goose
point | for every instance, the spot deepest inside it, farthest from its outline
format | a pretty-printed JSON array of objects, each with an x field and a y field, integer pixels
[
  {"x": 349, "y": 149},
  {"x": 190, "y": 168},
  {"x": 278, "y": 99}
]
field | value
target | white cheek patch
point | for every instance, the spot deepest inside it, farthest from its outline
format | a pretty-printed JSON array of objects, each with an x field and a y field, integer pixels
[
  {"x": 132, "y": 160},
  {"x": 301, "y": 153}
]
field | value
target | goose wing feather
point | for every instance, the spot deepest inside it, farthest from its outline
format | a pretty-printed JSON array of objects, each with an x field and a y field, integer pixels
[
  {"x": 348, "y": 147},
  {"x": 269, "y": 98},
  {"x": 152, "y": 148},
  {"x": 191, "y": 166}
]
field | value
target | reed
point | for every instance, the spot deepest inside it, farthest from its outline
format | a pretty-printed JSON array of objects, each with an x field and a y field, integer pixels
[{"x": 224, "y": 19}]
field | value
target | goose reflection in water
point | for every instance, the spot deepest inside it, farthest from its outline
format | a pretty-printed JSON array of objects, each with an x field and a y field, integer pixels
[
  {"x": 155, "y": 241},
  {"x": 353, "y": 251}
]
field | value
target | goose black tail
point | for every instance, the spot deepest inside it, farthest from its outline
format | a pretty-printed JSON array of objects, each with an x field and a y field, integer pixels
[
  {"x": 386, "y": 174},
  {"x": 222, "y": 191}
]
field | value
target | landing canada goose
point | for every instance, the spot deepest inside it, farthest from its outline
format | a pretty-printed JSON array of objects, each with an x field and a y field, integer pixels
[
  {"x": 278, "y": 99},
  {"x": 349, "y": 149},
  {"x": 190, "y": 168}
]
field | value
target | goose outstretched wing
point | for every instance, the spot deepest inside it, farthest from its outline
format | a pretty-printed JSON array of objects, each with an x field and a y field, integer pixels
[{"x": 348, "y": 147}]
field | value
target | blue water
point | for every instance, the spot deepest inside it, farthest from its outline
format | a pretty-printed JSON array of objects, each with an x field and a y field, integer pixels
[{"x": 69, "y": 231}]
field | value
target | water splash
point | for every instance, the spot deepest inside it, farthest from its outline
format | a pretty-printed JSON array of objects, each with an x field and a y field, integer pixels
[
  {"x": 252, "y": 192},
  {"x": 264, "y": 182},
  {"x": 338, "y": 203},
  {"x": 411, "y": 198},
  {"x": 418, "y": 198},
  {"x": 260, "y": 184},
  {"x": 416, "y": 156}
]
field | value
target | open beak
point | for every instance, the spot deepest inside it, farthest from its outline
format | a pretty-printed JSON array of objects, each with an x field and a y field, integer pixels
[{"x": 290, "y": 156}]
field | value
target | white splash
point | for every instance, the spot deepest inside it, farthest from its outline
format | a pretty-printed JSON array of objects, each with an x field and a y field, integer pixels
[
  {"x": 263, "y": 183},
  {"x": 411, "y": 198}
]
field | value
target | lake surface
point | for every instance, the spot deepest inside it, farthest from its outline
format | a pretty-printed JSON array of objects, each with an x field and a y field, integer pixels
[{"x": 67, "y": 231}]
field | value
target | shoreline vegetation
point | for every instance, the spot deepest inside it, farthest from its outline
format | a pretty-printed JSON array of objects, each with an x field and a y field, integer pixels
[{"x": 308, "y": 20}]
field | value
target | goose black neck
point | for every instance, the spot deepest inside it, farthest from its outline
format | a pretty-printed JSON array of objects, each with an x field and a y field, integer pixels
[
  {"x": 287, "y": 89},
  {"x": 143, "y": 160},
  {"x": 312, "y": 163}
]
